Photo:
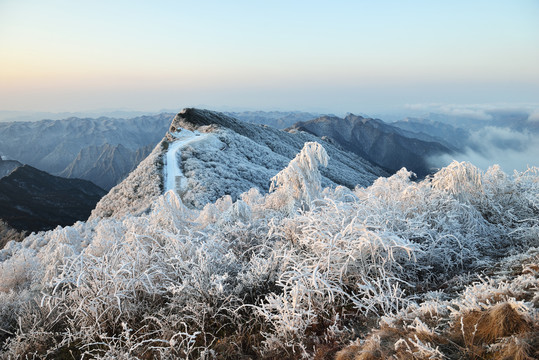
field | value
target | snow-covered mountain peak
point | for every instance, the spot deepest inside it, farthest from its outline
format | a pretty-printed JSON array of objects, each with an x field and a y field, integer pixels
[
  {"x": 206, "y": 155},
  {"x": 193, "y": 119},
  {"x": 209, "y": 121}
]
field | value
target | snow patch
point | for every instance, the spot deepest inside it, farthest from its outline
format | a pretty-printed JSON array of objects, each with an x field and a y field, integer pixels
[{"x": 174, "y": 178}]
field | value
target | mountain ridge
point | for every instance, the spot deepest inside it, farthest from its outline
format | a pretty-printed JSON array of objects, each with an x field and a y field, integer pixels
[
  {"x": 238, "y": 156},
  {"x": 379, "y": 142},
  {"x": 7, "y": 166}
]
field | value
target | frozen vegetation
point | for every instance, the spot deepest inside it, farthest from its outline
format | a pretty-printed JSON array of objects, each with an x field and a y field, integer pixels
[
  {"x": 240, "y": 156},
  {"x": 136, "y": 193},
  {"x": 302, "y": 271}
]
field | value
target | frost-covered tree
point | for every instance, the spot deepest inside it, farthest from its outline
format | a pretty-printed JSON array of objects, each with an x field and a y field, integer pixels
[{"x": 300, "y": 180}]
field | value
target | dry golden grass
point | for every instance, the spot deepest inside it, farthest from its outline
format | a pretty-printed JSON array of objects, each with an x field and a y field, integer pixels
[
  {"x": 348, "y": 353},
  {"x": 499, "y": 333},
  {"x": 382, "y": 345},
  {"x": 477, "y": 330},
  {"x": 486, "y": 327},
  {"x": 505, "y": 326},
  {"x": 514, "y": 348}
]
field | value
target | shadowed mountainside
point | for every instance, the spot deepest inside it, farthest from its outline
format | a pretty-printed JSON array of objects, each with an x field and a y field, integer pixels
[
  {"x": 7, "y": 166},
  {"x": 376, "y": 141},
  {"x": 31, "y": 199}
]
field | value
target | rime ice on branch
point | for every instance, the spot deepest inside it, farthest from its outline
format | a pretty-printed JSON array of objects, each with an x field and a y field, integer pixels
[{"x": 301, "y": 178}]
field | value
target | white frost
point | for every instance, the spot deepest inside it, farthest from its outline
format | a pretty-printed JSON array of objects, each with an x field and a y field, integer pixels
[{"x": 173, "y": 173}]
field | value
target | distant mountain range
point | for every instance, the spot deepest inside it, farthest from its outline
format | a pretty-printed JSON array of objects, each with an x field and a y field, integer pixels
[
  {"x": 31, "y": 199},
  {"x": 383, "y": 144},
  {"x": 105, "y": 150},
  {"x": 102, "y": 150},
  {"x": 454, "y": 138},
  {"x": 106, "y": 165},
  {"x": 10, "y": 116},
  {"x": 517, "y": 120},
  {"x": 509, "y": 138},
  {"x": 276, "y": 119}
]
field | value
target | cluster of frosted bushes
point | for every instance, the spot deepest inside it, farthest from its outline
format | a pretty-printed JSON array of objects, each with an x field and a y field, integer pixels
[
  {"x": 492, "y": 318},
  {"x": 292, "y": 273}
]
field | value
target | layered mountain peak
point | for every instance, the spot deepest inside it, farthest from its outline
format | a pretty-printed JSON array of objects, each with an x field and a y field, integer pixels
[
  {"x": 7, "y": 166},
  {"x": 192, "y": 119},
  {"x": 358, "y": 119},
  {"x": 211, "y": 155}
]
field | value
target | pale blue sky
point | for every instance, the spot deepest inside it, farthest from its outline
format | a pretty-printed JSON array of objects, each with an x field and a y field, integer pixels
[{"x": 333, "y": 56}]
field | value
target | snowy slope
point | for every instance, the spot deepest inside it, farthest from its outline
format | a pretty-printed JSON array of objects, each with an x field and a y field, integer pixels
[
  {"x": 172, "y": 172},
  {"x": 244, "y": 155},
  {"x": 218, "y": 155},
  {"x": 136, "y": 193}
]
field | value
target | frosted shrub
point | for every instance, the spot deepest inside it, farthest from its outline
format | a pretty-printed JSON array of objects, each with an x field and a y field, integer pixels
[
  {"x": 301, "y": 178},
  {"x": 462, "y": 180},
  {"x": 527, "y": 183},
  {"x": 452, "y": 233},
  {"x": 492, "y": 193},
  {"x": 332, "y": 261},
  {"x": 212, "y": 213},
  {"x": 12, "y": 306},
  {"x": 17, "y": 273}
]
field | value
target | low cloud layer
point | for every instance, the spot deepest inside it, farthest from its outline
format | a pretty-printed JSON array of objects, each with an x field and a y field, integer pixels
[
  {"x": 507, "y": 135},
  {"x": 534, "y": 116},
  {"x": 475, "y": 111},
  {"x": 510, "y": 149}
]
